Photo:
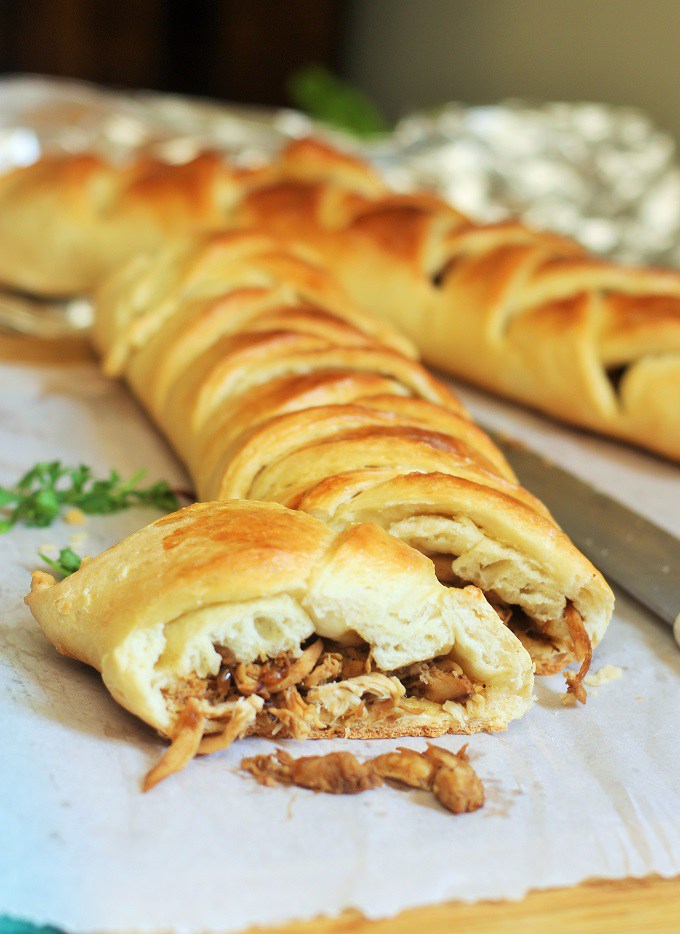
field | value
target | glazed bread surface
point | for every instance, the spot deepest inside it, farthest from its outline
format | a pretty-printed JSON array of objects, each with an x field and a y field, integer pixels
[
  {"x": 273, "y": 387},
  {"x": 523, "y": 313},
  {"x": 66, "y": 222}
]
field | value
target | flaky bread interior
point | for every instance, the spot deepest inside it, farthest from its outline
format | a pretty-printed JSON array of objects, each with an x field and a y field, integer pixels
[
  {"x": 253, "y": 583},
  {"x": 512, "y": 553},
  {"x": 272, "y": 390}
]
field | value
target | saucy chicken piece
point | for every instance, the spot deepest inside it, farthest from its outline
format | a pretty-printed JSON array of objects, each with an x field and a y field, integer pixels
[
  {"x": 458, "y": 789},
  {"x": 406, "y": 766},
  {"x": 266, "y": 770},
  {"x": 243, "y": 676},
  {"x": 356, "y": 661},
  {"x": 247, "y": 677},
  {"x": 327, "y": 669},
  {"x": 439, "y": 681},
  {"x": 444, "y": 757},
  {"x": 337, "y": 773},
  {"x": 295, "y": 714},
  {"x": 455, "y": 783},
  {"x": 184, "y": 746},
  {"x": 275, "y": 674},
  {"x": 449, "y": 776},
  {"x": 224, "y": 684},
  {"x": 583, "y": 650}
]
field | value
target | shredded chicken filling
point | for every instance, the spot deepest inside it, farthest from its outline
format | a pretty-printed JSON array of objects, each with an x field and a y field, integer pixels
[
  {"x": 329, "y": 682},
  {"x": 297, "y": 696}
]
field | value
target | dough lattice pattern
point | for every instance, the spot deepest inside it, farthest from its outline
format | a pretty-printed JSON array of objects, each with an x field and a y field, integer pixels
[{"x": 272, "y": 387}]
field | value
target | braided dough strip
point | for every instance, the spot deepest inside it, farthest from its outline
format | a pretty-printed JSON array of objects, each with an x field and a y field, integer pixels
[{"x": 273, "y": 389}]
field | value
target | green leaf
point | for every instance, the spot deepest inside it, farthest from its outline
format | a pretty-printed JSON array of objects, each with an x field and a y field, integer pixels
[
  {"x": 42, "y": 492},
  {"x": 43, "y": 474},
  {"x": 331, "y": 100},
  {"x": 79, "y": 477},
  {"x": 67, "y": 563},
  {"x": 69, "y": 559}
]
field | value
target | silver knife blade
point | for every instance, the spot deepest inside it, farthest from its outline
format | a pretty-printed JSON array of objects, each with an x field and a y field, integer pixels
[{"x": 627, "y": 548}]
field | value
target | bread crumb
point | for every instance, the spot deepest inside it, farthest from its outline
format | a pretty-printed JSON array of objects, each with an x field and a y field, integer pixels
[
  {"x": 605, "y": 674},
  {"x": 568, "y": 700},
  {"x": 74, "y": 516}
]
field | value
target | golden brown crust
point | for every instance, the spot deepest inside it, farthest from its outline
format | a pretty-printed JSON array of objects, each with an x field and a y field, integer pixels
[
  {"x": 523, "y": 313},
  {"x": 273, "y": 391},
  {"x": 66, "y": 221},
  {"x": 526, "y": 314}
]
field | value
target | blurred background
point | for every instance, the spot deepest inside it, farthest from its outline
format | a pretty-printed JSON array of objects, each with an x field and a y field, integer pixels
[{"x": 405, "y": 54}]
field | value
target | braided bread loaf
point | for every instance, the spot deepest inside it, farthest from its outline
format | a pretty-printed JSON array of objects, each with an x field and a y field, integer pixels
[
  {"x": 272, "y": 387},
  {"x": 522, "y": 313}
]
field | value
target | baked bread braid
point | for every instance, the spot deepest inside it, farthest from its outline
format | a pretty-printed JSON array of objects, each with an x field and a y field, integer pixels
[
  {"x": 66, "y": 222},
  {"x": 227, "y": 619},
  {"x": 270, "y": 388},
  {"x": 523, "y": 313}
]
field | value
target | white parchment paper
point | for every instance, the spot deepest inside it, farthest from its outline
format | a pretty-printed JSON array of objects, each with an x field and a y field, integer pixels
[{"x": 573, "y": 793}]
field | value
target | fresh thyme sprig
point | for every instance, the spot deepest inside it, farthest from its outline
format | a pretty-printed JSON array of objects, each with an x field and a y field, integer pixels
[
  {"x": 42, "y": 492},
  {"x": 67, "y": 562}
]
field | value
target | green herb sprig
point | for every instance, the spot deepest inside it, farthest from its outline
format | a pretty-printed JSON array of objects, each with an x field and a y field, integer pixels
[
  {"x": 327, "y": 98},
  {"x": 67, "y": 562},
  {"x": 42, "y": 492}
]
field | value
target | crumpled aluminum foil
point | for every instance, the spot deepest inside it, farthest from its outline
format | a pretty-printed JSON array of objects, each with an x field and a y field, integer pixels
[
  {"x": 48, "y": 115},
  {"x": 604, "y": 175}
]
